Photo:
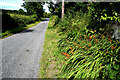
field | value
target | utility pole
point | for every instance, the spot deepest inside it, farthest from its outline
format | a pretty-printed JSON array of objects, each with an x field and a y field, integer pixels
[{"x": 62, "y": 9}]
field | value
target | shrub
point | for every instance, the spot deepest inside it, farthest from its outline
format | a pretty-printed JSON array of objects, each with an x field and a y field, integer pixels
[
  {"x": 54, "y": 20},
  {"x": 8, "y": 22},
  {"x": 16, "y": 20}
]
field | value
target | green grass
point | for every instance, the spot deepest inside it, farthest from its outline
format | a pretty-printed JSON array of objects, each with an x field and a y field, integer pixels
[
  {"x": 17, "y": 30},
  {"x": 51, "y": 62}
]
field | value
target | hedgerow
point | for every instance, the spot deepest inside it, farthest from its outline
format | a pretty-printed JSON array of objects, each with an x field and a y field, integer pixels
[{"x": 10, "y": 21}]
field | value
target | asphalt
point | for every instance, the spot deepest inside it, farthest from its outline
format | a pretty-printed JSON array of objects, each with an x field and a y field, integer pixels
[{"x": 21, "y": 52}]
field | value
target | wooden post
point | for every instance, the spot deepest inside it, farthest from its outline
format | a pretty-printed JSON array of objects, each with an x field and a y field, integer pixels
[{"x": 62, "y": 9}]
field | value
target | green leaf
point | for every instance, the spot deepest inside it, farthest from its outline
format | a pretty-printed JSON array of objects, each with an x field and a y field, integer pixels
[
  {"x": 105, "y": 15},
  {"x": 116, "y": 14}
]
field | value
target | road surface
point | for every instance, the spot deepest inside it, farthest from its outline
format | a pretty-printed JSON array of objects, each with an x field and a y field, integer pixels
[{"x": 21, "y": 52}]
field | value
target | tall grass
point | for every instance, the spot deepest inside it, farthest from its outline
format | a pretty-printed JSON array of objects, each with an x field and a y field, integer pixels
[
  {"x": 88, "y": 54},
  {"x": 50, "y": 62}
]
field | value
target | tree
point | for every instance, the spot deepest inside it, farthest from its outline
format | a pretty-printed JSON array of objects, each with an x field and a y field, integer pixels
[
  {"x": 71, "y": 7},
  {"x": 55, "y": 8},
  {"x": 21, "y": 11},
  {"x": 34, "y": 8}
]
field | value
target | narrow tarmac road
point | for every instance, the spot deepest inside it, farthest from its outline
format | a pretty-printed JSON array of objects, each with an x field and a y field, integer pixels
[{"x": 21, "y": 52}]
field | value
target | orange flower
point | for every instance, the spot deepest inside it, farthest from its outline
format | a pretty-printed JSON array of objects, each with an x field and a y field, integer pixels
[
  {"x": 68, "y": 57},
  {"x": 66, "y": 54},
  {"x": 110, "y": 40},
  {"x": 75, "y": 43},
  {"x": 114, "y": 61},
  {"x": 103, "y": 36},
  {"x": 93, "y": 36},
  {"x": 85, "y": 47},
  {"x": 70, "y": 47},
  {"x": 90, "y": 37},
  {"x": 84, "y": 41},
  {"x": 80, "y": 47},
  {"x": 96, "y": 40},
  {"x": 112, "y": 47},
  {"x": 89, "y": 45},
  {"x": 72, "y": 53},
  {"x": 63, "y": 53}
]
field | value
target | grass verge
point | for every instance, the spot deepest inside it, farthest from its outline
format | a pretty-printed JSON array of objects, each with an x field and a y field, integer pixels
[{"x": 50, "y": 61}]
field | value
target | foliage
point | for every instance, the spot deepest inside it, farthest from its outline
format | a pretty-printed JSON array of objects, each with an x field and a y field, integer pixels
[
  {"x": 102, "y": 13},
  {"x": 88, "y": 53},
  {"x": 54, "y": 20},
  {"x": 21, "y": 11},
  {"x": 51, "y": 65},
  {"x": 46, "y": 15},
  {"x": 55, "y": 8},
  {"x": 16, "y": 20},
  {"x": 10, "y": 22},
  {"x": 23, "y": 20},
  {"x": 34, "y": 8},
  {"x": 9, "y": 11},
  {"x": 12, "y": 31}
]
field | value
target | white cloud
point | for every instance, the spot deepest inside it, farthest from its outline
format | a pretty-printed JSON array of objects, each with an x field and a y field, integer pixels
[{"x": 10, "y": 4}]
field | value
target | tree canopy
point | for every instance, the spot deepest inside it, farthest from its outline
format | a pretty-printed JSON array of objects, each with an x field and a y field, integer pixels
[{"x": 34, "y": 8}]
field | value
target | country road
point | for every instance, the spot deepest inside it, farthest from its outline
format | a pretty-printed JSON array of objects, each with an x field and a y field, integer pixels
[{"x": 21, "y": 52}]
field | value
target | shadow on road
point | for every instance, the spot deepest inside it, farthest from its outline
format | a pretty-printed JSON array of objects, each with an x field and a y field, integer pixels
[
  {"x": 46, "y": 19},
  {"x": 28, "y": 30}
]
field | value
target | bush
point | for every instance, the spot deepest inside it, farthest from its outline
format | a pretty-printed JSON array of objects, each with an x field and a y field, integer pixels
[
  {"x": 16, "y": 20},
  {"x": 22, "y": 19},
  {"x": 89, "y": 54},
  {"x": 8, "y": 22},
  {"x": 54, "y": 20}
]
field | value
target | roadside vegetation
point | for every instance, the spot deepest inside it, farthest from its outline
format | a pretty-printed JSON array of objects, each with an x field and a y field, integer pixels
[
  {"x": 15, "y": 21},
  {"x": 82, "y": 43},
  {"x": 50, "y": 60}
]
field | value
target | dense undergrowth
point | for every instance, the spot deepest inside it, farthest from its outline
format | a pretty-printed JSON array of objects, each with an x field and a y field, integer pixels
[
  {"x": 15, "y": 23},
  {"x": 10, "y": 21},
  {"x": 88, "y": 53},
  {"x": 86, "y": 46}
]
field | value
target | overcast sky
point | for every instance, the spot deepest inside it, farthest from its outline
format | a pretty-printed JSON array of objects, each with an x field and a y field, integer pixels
[{"x": 15, "y": 5}]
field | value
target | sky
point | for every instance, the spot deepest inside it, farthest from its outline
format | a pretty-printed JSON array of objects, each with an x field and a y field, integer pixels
[{"x": 16, "y": 5}]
